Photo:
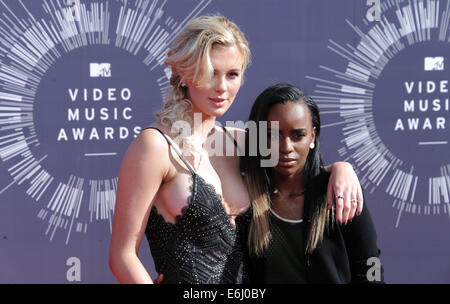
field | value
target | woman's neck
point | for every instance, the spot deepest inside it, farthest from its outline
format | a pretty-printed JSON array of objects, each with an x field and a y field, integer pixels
[
  {"x": 288, "y": 184},
  {"x": 288, "y": 199},
  {"x": 202, "y": 126}
]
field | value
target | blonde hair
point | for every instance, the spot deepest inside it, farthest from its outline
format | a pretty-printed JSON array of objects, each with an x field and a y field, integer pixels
[
  {"x": 259, "y": 231},
  {"x": 322, "y": 219},
  {"x": 189, "y": 60}
]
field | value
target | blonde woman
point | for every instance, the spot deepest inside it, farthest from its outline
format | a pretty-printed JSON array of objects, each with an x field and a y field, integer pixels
[{"x": 190, "y": 203}]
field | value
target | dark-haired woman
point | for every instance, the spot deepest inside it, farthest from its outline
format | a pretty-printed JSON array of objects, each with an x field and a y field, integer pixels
[{"x": 293, "y": 235}]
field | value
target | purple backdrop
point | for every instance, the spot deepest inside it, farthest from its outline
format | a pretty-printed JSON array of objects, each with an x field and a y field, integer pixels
[{"x": 79, "y": 81}]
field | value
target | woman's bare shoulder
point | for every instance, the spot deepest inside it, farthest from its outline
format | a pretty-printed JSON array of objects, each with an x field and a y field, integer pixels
[
  {"x": 148, "y": 148},
  {"x": 238, "y": 134},
  {"x": 150, "y": 140},
  {"x": 235, "y": 129}
]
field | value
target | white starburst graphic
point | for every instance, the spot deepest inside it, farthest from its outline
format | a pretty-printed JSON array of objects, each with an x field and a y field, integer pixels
[
  {"x": 31, "y": 45},
  {"x": 362, "y": 96}
]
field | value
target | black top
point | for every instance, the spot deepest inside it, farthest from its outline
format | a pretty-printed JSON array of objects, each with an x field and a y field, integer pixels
[
  {"x": 347, "y": 254},
  {"x": 284, "y": 259},
  {"x": 202, "y": 246}
]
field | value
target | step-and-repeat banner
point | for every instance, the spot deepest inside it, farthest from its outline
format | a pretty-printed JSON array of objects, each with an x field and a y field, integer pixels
[{"x": 80, "y": 79}]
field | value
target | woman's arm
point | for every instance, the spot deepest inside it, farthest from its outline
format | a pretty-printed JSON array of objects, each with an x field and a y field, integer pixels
[
  {"x": 344, "y": 182},
  {"x": 143, "y": 169}
]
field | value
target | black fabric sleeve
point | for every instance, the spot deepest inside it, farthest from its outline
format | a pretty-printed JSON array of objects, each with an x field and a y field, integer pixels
[{"x": 363, "y": 253}]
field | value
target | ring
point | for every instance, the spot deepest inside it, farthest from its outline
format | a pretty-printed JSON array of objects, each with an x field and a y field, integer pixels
[
  {"x": 354, "y": 200},
  {"x": 339, "y": 196}
]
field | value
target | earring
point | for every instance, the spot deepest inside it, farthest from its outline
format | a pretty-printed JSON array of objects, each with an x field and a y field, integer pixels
[{"x": 312, "y": 145}]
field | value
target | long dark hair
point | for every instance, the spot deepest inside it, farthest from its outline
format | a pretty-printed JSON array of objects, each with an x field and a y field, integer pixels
[{"x": 259, "y": 181}]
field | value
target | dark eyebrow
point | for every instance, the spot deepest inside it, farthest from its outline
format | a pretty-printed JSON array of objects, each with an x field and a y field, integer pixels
[
  {"x": 293, "y": 130},
  {"x": 299, "y": 129}
]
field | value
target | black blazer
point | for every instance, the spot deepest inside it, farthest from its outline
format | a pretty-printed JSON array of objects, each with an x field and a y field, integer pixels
[{"x": 346, "y": 254}]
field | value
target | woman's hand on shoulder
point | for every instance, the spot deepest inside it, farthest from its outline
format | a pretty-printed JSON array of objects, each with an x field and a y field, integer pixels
[{"x": 345, "y": 191}]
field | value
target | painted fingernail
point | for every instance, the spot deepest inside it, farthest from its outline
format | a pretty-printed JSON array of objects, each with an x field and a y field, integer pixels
[{"x": 339, "y": 222}]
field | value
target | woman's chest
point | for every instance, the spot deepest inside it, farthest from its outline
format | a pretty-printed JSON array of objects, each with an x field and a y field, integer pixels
[{"x": 217, "y": 180}]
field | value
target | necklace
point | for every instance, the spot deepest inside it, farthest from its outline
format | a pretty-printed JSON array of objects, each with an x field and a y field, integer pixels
[
  {"x": 291, "y": 194},
  {"x": 197, "y": 166}
]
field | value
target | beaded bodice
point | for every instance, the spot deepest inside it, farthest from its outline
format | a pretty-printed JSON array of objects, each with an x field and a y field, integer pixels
[{"x": 202, "y": 246}]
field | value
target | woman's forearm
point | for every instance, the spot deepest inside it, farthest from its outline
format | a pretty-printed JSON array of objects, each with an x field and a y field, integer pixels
[{"x": 128, "y": 269}]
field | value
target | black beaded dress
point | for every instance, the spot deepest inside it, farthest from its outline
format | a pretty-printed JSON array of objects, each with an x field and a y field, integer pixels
[{"x": 202, "y": 246}]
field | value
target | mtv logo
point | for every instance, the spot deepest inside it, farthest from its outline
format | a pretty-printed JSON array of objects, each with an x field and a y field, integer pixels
[
  {"x": 434, "y": 64},
  {"x": 100, "y": 69}
]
